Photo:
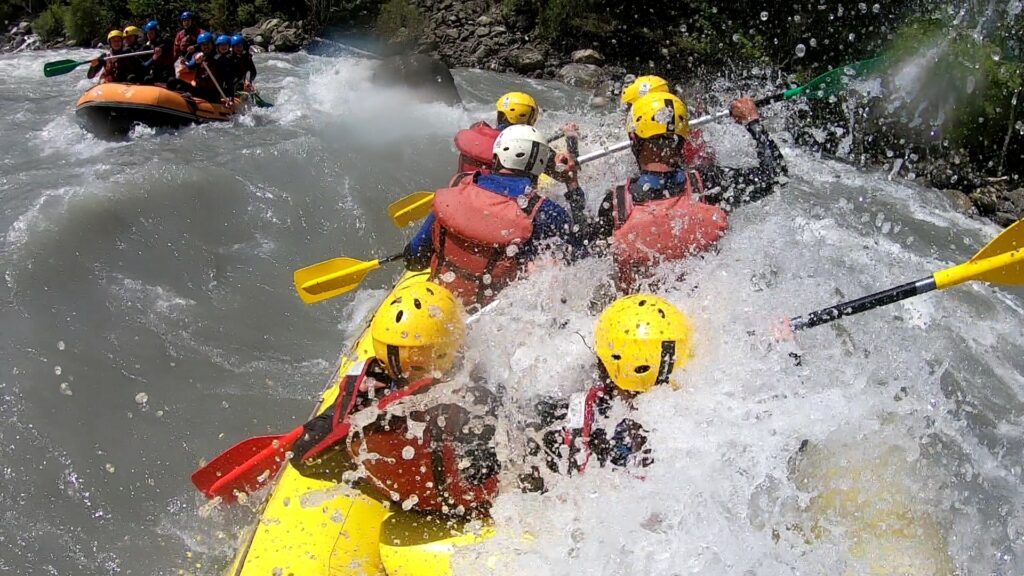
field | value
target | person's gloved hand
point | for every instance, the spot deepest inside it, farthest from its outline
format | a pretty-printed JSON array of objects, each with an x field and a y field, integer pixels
[
  {"x": 744, "y": 110},
  {"x": 566, "y": 170}
]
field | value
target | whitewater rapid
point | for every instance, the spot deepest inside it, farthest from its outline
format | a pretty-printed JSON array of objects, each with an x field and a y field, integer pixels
[{"x": 149, "y": 323}]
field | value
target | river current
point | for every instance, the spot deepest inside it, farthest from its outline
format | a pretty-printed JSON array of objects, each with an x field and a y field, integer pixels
[{"x": 149, "y": 322}]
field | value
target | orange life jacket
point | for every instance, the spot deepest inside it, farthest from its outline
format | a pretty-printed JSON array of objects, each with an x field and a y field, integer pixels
[
  {"x": 476, "y": 147},
  {"x": 651, "y": 230},
  {"x": 476, "y": 236}
]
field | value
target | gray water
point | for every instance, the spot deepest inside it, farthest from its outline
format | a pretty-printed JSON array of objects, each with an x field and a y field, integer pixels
[{"x": 149, "y": 322}]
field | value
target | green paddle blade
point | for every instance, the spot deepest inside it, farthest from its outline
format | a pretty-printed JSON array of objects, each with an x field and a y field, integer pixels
[
  {"x": 835, "y": 81},
  {"x": 58, "y": 67},
  {"x": 260, "y": 102}
]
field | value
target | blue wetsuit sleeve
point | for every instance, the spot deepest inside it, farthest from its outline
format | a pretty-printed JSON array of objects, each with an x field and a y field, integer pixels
[
  {"x": 191, "y": 64},
  {"x": 553, "y": 221},
  {"x": 421, "y": 248}
]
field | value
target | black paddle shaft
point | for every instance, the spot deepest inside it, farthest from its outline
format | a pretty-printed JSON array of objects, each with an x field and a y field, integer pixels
[
  {"x": 761, "y": 102},
  {"x": 392, "y": 258},
  {"x": 876, "y": 300}
]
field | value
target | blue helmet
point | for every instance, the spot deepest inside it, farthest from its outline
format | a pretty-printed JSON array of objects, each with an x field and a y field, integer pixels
[
  {"x": 238, "y": 40},
  {"x": 204, "y": 38},
  {"x": 151, "y": 26},
  {"x": 186, "y": 15},
  {"x": 223, "y": 39}
]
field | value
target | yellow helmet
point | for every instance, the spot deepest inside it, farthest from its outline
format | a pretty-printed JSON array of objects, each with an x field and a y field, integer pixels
[
  {"x": 640, "y": 340},
  {"x": 518, "y": 108},
  {"x": 132, "y": 31},
  {"x": 643, "y": 86},
  {"x": 659, "y": 113},
  {"x": 418, "y": 331},
  {"x": 115, "y": 34}
]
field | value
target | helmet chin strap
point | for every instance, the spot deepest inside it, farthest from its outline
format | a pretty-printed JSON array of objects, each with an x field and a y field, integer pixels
[
  {"x": 395, "y": 362},
  {"x": 668, "y": 360}
]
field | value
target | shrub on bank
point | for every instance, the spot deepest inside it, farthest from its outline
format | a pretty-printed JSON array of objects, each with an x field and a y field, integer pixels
[
  {"x": 50, "y": 24},
  {"x": 87, "y": 20},
  {"x": 398, "y": 15}
]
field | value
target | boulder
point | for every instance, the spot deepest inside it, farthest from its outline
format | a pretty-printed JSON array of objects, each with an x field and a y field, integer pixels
[
  {"x": 482, "y": 31},
  {"x": 267, "y": 27},
  {"x": 426, "y": 76},
  {"x": 484, "y": 21},
  {"x": 527, "y": 60},
  {"x": 587, "y": 56},
  {"x": 23, "y": 27},
  {"x": 581, "y": 75},
  {"x": 286, "y": 40},
  {"x": 251, "y": 33},
  {"x": 261, "y": 41}
]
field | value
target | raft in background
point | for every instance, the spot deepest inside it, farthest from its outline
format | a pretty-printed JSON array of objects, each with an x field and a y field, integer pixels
[{"x": 110, "y": 110}]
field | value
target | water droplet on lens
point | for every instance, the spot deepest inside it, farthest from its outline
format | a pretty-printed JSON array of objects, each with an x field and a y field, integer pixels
[
  {"x": 764, "y": 15},
  {"x": 800, "y": 50}
]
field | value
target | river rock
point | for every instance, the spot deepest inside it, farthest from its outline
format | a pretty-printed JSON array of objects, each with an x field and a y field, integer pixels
[
  {"x": 482, "y": 31},
  {"x": 286, "y": 40},
  {"x": 267, "y": 27},
  {"x": 250, "y": 33},
  {"x": 587, "y": 56},
  {"x": 527, "y": 59},
  {"x": 484, "y": 21},
  {"x": 23, "y": 27},
  {"x": 580, "y": 75}
]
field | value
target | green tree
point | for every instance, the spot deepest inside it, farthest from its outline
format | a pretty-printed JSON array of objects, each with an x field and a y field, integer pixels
[
  {"x": 50, "y": 24},
  {"x": 88, "y": 20}
]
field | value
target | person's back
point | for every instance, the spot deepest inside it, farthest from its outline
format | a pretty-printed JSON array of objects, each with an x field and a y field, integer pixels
[
  {"x": 417, "y": 441},
  {"x": 486, "y": 227},
  {"x": 476, "y": 143}
]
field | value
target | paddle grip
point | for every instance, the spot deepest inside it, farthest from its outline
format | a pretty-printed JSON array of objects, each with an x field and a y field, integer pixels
[
  {"x": 770, "y": 99},
  {"x": 876, "y": 300}
]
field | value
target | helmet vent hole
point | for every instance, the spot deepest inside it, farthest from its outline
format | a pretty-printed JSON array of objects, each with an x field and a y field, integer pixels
[
  {"x": 520, "y": 154},
  {"x": 616, "y": 357},
  {"x": 642, "y": 303},
  {"x": 430, "y": 291},
  {"x": 662, "y": 313},
  {"x": 398, "y": 317},
  {"x": 642, "y": 369},
  {"x": 416, "y": 302}
]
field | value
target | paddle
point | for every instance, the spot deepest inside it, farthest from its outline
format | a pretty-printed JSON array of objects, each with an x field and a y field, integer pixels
[
  {"x": 60, "y": 67},
  {"x": 828, "y": 84},
  {"x": 224, "y": 97},
  {"x": 335, "y": 277},
  {"x": 999, "y": 262},
  {"x": 260, "y": 102},
  {"x": 245, "y": 466},
  {"x": 411, "y": 208}
]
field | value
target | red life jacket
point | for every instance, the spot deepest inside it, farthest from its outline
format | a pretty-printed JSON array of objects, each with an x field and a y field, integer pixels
[
  {"x": 476, "y": 147},
  {"x": 476, "y": 237},
  {"x": 185, "y": 38},
  {"x": 579, "y": 424},
  {"x": 649, "y": 231},
  {"x": 422, "y": 472}
]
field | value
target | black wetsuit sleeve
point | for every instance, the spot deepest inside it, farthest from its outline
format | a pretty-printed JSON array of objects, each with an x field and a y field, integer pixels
[
  {"x": 605, "y": 224},
  {"x": 732, "y": 187}
]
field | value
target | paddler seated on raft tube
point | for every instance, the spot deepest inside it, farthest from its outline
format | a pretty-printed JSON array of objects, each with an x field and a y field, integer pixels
[
  {"x": 475, "y": 144},
  {"x": 224, "y": 65},
  {"x": 695, "y": 150},
  {"x": 110, "y": 68},
  {"x": 396, "y": 431},
  {"x": 187, "y": 38},
  {"x": 668, "y": 212},
  {"x": 245, "y": 68},
  {"x": 132, "y": 68},
  {"x": 485, "y": 228},
  {"x": 160, "y": 66},
  {"x": 641, "y": 342},
  {"x": 203, "y": 86}
]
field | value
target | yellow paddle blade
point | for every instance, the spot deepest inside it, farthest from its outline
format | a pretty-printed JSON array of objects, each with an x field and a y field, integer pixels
[
  {"x": 1001, "y": 261},
  {"x": 331, "y": 278},
  {"x": 415, "y": 206}
]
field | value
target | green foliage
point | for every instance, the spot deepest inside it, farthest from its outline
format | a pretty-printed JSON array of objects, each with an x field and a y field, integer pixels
[
  {"x": 247, "y": 15},
  {"x": 50, "y": 24},
  {"x": 216, "y": 15},
  {"x": 88, "y": 20},
  {"x": 396, "y": 15}
]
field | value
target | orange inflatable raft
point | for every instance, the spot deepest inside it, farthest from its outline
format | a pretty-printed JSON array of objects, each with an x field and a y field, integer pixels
[{"x": 111, "y": 109}]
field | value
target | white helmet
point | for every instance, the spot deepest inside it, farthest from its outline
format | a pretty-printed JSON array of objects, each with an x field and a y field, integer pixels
[{"x": 521, "y": 147}]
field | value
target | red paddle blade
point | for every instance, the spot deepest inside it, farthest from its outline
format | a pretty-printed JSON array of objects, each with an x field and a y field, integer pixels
[{"x": 244, "y": 467}]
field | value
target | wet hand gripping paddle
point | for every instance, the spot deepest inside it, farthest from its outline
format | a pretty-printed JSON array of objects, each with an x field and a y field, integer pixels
[
  {"x": 1000, "y": 262},
  {"x": 60, "y": 67},
  {"x": 416, "y": 206}
]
